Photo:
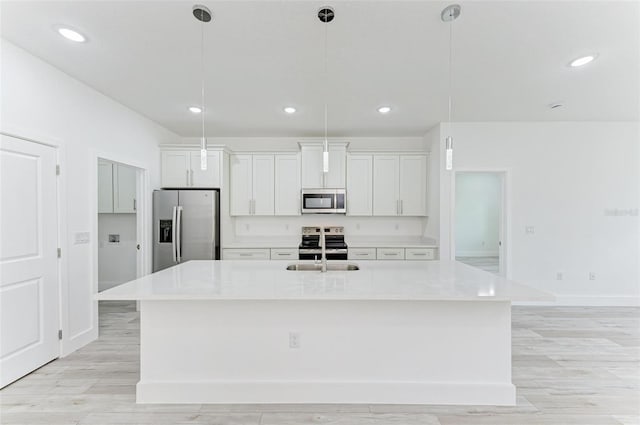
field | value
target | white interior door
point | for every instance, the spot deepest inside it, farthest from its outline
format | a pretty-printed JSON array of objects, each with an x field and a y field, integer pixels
[{"x": 29, "y": 301}]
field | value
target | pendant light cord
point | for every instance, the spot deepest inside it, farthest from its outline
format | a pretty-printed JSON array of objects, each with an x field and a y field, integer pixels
[
  {"x": 450, "y": 66},
  {"x": 326, "y": 85},
  {"x": 203, "y": 143}
]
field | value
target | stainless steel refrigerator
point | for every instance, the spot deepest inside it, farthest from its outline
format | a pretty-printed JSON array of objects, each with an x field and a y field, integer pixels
[{"x": 186, "y": 226}]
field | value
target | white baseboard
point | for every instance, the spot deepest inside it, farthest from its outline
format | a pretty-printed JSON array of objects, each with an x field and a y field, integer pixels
[
  {"x": 487, "y": 253},
  {"x": 332, "y": 392},
  {"x": 588, "y": 301}
]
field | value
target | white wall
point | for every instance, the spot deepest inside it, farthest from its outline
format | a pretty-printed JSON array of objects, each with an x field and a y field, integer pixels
[
  {"x": 578, "y": 185},
  {"x": 42, "y": 103},
  {"x": 477, "y": 215},
  {"x": 116, "y": 261}
]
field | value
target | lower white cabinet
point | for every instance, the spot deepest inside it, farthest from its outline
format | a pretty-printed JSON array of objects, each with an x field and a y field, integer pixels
[
  {"x": 246, "y": 254},
  {"x": 361, "y": 253},
  {"x": 420, "y": 253},
  {"x": 390, "y": 254},
  {"x": 284, "y": 253}
]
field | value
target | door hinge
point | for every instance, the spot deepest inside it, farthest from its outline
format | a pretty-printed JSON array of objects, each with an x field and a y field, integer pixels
[
  {"x": 57, "y": 170},
  {"x": 60, "y": 334},
  {"x": 59, "y": 252}
]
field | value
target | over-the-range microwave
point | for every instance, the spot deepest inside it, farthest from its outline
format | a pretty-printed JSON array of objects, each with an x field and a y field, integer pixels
[{"x": 324, "y": 201}]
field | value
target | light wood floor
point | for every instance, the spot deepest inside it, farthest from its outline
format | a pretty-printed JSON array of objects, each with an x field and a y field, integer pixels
[{"x": 572, "y": 365}]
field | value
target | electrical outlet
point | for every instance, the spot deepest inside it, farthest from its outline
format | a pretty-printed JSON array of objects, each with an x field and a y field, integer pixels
[
  {"x": 592, "y": 276},
  {"x": 530, "y": 230},
  {"x": 294, "y": 340},
  {"x": 559, "y": 276}
]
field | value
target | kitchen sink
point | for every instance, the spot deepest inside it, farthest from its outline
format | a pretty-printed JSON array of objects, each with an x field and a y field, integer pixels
[{"x": 310, "y": 267}]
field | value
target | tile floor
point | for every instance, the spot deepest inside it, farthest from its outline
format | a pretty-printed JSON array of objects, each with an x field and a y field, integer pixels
[
  {"x": 489, "y": 264},
  {"x": 571, "y": 365}
]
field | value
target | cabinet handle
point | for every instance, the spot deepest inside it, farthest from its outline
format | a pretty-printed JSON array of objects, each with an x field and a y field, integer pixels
[
  {"x": 401, "y": 206},
  {"x": 397, "y": 206},
  {"x": 362, "y": 254},
  {"x": 188, "y": 178},
  {"x": 420, "y": 253},
  {"x": 283, "y": 253},
  {"x": 242, "y": 254},
  {"x": 191, "y": 177},
  {"x": 250, "y": 206},
  {"x": 134, "y": 204},
  {"x": 390, "y": 253}
]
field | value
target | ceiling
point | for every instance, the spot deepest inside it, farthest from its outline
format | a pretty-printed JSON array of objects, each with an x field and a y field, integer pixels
[{"x": 510, "y": 62}]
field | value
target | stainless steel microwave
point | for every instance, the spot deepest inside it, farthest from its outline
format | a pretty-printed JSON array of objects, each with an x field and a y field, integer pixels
[{"x": 324, "y": 201}]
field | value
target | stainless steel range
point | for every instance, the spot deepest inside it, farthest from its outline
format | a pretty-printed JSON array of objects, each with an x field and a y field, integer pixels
[{"x": 311, "y": 249}]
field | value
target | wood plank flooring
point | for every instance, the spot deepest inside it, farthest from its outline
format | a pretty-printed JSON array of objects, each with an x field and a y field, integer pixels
[{"x": 572, "y": 365}]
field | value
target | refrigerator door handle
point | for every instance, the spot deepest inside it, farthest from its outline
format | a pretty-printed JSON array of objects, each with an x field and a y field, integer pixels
[
  {"x": 174, "y": 217},
  {"x": 179, "y": 234}
]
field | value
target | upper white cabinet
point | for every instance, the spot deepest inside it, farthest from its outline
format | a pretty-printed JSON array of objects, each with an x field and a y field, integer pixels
[
  {"x": 252, "y": 184},
  {"x": 399, "y": 185},
  {"x": 359, "y": 184},
  {"x": 116, "y": 188},
  {"x": 181, "y": 168},
  {"x": 313, "y": 176},
  {"x": 105, "y": 187},
  {"x": 287, "y": 184},
  {"x": 124, "y": 189}
]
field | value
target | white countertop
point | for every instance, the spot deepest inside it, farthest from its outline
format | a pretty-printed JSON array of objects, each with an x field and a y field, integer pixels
[
  {"x": 376, "y": 280},
  {"x": 263, "y": 242},
  {"x": 390, "y": 242}
]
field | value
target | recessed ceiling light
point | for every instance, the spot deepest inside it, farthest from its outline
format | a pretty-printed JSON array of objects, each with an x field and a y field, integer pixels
[
  {"x": 195, "y": 109},
  {"x": 290, "y": 110},
  {"x": 384, "y": 109},
  {"x": 72, "y": 35},
  {"x": 582, "y": 61}
]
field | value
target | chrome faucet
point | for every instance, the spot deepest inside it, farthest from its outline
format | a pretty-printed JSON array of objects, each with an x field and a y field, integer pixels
[{"x": 323, "y": 247}]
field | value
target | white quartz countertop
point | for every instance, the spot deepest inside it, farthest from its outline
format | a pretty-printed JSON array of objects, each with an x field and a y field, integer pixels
[
  {"x": 390, "y": 242},
  {"x": 376, "y": 280}
]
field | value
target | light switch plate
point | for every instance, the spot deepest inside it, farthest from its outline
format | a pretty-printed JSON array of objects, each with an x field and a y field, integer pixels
[{"x": 82, "y": 238}]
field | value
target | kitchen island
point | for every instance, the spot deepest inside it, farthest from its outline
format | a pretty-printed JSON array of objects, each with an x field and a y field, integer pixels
[{"x": 406, "y": 332}]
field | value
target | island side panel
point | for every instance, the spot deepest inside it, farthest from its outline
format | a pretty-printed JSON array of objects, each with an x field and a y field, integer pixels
[{"x": 406, "y": 352}]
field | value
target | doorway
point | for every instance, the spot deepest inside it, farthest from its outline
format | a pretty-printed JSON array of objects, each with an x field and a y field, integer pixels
[
  {"x": 480, "y": 220},
  {"x": 119, "y": 256}
]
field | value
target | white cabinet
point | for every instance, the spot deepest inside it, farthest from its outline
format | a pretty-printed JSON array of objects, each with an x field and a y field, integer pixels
[
  {"x": 182, "y": 169},
  {"x": 246, "y": 254},
  {"x": 284, "y": 253},
  {"x": 359, "y": 184},
  {"x": 252, "y": 184},
  {"x": 399, "y": 185},
  {"x": 361, "y": 253},
  {"x": 105, "y": 187},
  {"x": 116, "y": 188},
  {"x": 313, "y": 176},
  {"x": 287, "y": 184},
  {"x": 390, "y": 254},
  {"x": 124, "y": 189}
]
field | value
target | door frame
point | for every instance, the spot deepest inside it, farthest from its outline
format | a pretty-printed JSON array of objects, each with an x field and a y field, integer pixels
[
  {"x": 143, "y": 208},
  {"x": 64, "y": 344},
  {"x": 505, "y": 215}
]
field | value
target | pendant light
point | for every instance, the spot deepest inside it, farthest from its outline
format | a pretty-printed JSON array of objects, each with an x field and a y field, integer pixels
[
  {"x": 202, "y": 14},
  {"x": 450, "y": 14},
  {"x": 326, "y": 15}
]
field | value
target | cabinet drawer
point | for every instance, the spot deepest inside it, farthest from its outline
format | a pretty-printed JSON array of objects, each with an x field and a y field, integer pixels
[
  {"x": 245, "y": 254},
  {"x": 390, "y": 254},
  {"x": 284, "y": 253},
  {"x": 361, "y": 254},
  {"x": 420, "y": 254}
]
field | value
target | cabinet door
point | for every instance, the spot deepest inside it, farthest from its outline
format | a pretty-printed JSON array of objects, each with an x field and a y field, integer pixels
[
  {"x": 312, "y": 175},
  {"x": 263, "y": 184},
  {"x": 175, "y": 169},
  {"x": 413, "y": 185},
  {"x": 385, "y": 185},
  {"x": 336, "y": 176},
  {"x": 124, "y": 189},
  {"x": 105, "y": 187},
  {"x": 287, "y": 185},
  {"x": 240, "y": 192},
  {"x": 359, "y": 185},
  {"x": 209, "y": 178}
]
